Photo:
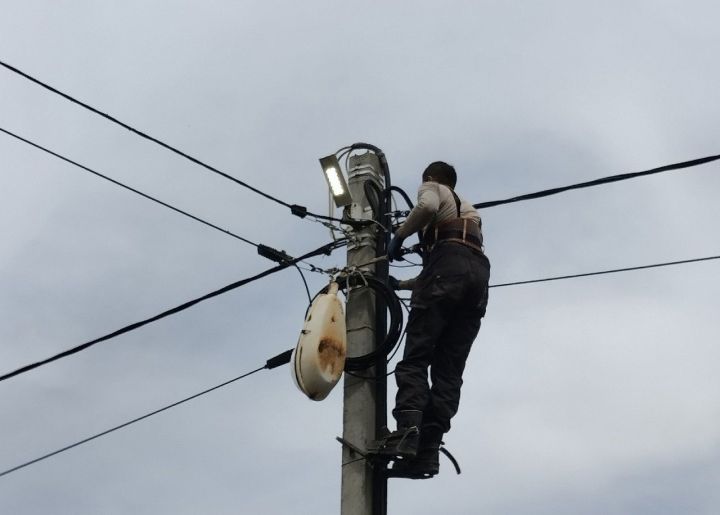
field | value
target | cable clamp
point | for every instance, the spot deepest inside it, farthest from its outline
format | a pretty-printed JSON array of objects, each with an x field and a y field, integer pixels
[
  {"x": 300, "y": 211},
  {"x": 350, "y": 273},
  {"x": 359, "y": 240},
  {"x": 279, "y": 256}
]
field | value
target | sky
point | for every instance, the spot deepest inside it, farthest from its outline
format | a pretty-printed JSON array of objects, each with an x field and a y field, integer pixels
[{"x": 587, "y": 396}]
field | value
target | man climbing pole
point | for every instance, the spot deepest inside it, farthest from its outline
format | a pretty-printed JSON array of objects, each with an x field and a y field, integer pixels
[{"x": 449, "y": 298}]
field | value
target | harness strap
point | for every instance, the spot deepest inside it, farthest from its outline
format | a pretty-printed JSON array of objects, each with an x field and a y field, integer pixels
[
  {"x": 457, "y": 201},
  {"x": 464, "y": 242},
  {"x": 458, "y": 230}
]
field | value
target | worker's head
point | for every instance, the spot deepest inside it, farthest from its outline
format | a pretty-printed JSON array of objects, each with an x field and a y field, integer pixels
[{"x": 440, "y": 172}]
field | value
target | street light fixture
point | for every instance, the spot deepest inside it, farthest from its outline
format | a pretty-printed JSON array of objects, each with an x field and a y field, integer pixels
[{"x": 336, "y": 180}]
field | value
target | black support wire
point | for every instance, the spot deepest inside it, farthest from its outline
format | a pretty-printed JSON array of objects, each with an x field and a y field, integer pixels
[
  {"x": 129, "y": 188},
  {"x": 263, "y": 250},
  {"x": 302, "y": 276},
  {"x": 614, "y": 271},
  {"x": 276, "y": 361},
  {"x": 140, "y": 133},
  {"x": 302, "y": 212},
  {"x": 403, "y": 195},
  {"x": 285, "y": 357},
  {"x": 325, "y": 249},
  {"x": 295, "y": 209},
  {"x": 598, "y": 182}
]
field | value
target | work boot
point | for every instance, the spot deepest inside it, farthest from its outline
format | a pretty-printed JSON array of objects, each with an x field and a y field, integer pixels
[
  {"x": 424, "y": 465},
  {"x": 403, "y": 442},
  {"x": 426, "y": 462}
]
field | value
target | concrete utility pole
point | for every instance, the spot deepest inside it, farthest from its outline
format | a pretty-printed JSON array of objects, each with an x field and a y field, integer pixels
[{"x": 364, "y": 402}]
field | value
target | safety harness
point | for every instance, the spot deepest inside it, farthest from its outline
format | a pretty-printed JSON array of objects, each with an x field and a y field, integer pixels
[{"x": 458, "y": 230}]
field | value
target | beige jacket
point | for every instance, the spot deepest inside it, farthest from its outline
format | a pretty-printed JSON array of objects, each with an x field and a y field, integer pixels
[{"x": 435, "y": 204}]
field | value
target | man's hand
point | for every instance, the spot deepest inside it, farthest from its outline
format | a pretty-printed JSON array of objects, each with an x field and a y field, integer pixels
[{"x": 394, "y": 250}]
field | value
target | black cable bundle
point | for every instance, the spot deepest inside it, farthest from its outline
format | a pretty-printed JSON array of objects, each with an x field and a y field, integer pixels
[{"x": 396, "y": 319}]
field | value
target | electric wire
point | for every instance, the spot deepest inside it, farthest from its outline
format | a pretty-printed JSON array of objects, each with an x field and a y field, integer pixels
[
  {"x": 295, "y": 209},
  {"x": 129, "y": 188},
  {"x": 359, "y": 376},
  {"x": 302, "y": 276},
  {"x": 598, "y": 182},
  {"x": 285, "y": 357},
  {"x": 309, "y": 267},
  {"x": 374, "y": 195},
  {"x": 271, "y": 363},
  {"x": 617, "y": 270},
  {"x": 141, "y": 134},
  {"x": 325, "y": 249},
  {"x": 383, "y": 290},
  {"x": 390, "y": 352},
  {"x": 410, "y": 264},
  {"x": 539, "y": 194},
  {"x": 601, "y": 272},
  {"x": 479, "y": 205},
  {"x": 404, "y": 334},
  {"x": 355, "y": 460},
  {"x": 403, "y": 301},
  {"x": 145, "y": 195},
  {"x": 302, "y": 212},
  {"x": 403, "y": 194}
]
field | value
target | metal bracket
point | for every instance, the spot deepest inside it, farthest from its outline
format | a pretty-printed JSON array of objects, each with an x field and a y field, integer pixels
[{"x": 357, "y": 212}]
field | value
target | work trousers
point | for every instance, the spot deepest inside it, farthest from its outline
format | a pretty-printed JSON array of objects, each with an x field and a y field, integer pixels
[{"x": 448, "y": 302}]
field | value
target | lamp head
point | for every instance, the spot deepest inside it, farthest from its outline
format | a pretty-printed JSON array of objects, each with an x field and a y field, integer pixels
[{"x": 336, "y": 180}]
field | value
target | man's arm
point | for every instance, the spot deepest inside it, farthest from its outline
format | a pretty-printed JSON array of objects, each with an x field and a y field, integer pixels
[{"x": 428, "y": 203}]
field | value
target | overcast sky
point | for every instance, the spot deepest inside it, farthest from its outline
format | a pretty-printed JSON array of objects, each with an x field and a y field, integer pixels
[{"x": 586, "y": 396}]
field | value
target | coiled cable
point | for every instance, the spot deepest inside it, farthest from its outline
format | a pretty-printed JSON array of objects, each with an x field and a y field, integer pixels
[{"x": 396, "y": 318}]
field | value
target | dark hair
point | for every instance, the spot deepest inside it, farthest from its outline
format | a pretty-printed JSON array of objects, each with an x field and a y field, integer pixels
[{"x": 441, "y": 172}]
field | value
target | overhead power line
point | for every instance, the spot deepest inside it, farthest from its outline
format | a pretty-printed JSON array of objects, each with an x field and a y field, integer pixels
[
  {"x": 325, "y": 249},
  {"x": 141, "y": 134},
  {"x": 617, "y": 270},
  {"x": 302, "y": 211},
  {"x": 285, "y": 357},
  {"x": 598, "y": 182},
  {"x": 263, "y": 250},
  {"x": 295, "y": 209},
  {"x": 129, "y": 188},
  {"x": 276, "y": 361}
]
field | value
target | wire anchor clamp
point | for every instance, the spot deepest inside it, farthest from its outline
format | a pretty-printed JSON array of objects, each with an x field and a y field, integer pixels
[{"x": 278, "y": 256}]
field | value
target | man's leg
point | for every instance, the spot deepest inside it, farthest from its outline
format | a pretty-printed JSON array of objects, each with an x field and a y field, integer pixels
[
  {"x": 447, "y": 370},
  {"x": 452, "y": 351},
  {"x": 424, "y": 328}
]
